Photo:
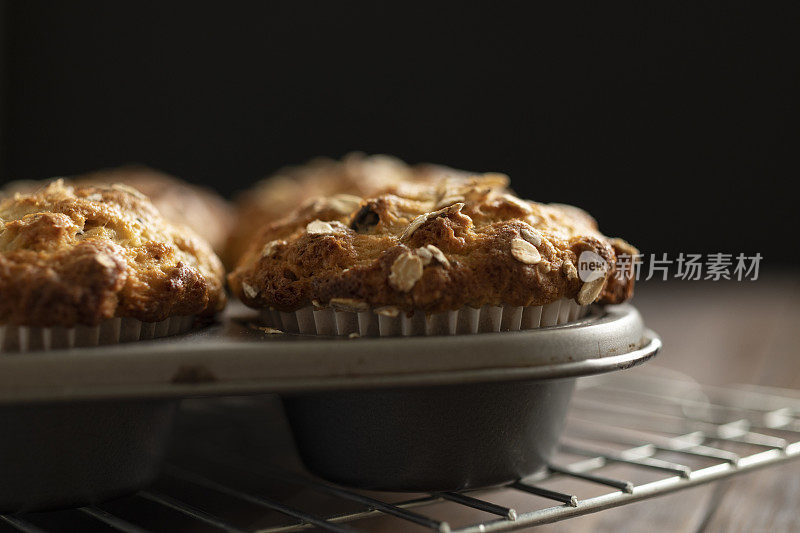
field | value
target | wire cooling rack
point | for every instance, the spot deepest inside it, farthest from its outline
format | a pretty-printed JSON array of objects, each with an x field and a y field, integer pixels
[{"x": 629, "y": 436}]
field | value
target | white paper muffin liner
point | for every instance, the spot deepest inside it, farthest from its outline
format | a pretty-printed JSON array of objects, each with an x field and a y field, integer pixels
[
  {"x": 15, "y": 339},
  {"x": 467, "y": 320}
]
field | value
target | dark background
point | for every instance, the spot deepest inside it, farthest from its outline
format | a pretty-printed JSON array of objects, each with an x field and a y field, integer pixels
[{"x": 676, "y": 127}]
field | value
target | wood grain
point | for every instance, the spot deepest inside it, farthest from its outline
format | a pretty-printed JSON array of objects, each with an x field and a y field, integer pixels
[{"x": 769, "y": 500}]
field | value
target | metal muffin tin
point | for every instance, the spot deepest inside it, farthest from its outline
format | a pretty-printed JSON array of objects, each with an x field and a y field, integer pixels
[{"x": 84, "y": 425}]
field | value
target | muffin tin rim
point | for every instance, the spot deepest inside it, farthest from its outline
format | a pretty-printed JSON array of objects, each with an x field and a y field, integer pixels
[{"x": 215, "y": 362}]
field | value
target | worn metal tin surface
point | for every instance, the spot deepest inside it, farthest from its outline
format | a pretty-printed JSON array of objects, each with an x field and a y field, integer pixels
[{"x": 232, "y": 358}]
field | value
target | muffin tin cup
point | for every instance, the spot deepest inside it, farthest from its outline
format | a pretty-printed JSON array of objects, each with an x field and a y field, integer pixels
[
  {"x": 55, "y": 455},
  {"x": 19, "y": 339},
  {"x": 442, "y": 438},
  {"x": 69, "y": 455},
  {"x": 383, "y": 322}
]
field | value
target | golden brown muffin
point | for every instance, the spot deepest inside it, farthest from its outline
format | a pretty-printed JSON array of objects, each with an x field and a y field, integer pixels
[
  {"x": 355, "y": 174},
  {"x": 439, "y": 246},
  {"x": 200, "y": 208},
  {"x": 74, "y": 255}
]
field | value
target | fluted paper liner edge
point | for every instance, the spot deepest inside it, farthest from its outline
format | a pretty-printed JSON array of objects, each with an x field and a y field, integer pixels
[
  {"x": 380, "y": 323},
  {"x": 16, "y": 339}
]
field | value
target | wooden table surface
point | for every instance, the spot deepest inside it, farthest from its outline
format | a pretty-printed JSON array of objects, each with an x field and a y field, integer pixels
[{"x": 720, "y": 333}]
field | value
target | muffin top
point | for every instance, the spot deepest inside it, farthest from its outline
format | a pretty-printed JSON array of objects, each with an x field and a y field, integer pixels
[
  {"x": 433, "y": 245},
  {"x": 355, "y": 174},
  {"x": 200, "y": 208},
  {"x": 81, "y": 254}
]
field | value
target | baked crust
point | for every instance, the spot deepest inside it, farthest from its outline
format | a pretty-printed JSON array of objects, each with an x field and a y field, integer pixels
[
  {"x": 82, "y": 254},
  {"x": 355, "y": 174},
  {"x": 200, "y": 208},
  {"x": 435, "y": 245}
]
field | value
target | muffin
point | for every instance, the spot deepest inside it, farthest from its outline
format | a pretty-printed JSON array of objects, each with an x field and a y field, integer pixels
[
  {"x": 86, "y": 264},
  {"x": 356, "y": 174},
  {"x": 459, "y": 255},
  {"x": 200, "y": 208}
]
